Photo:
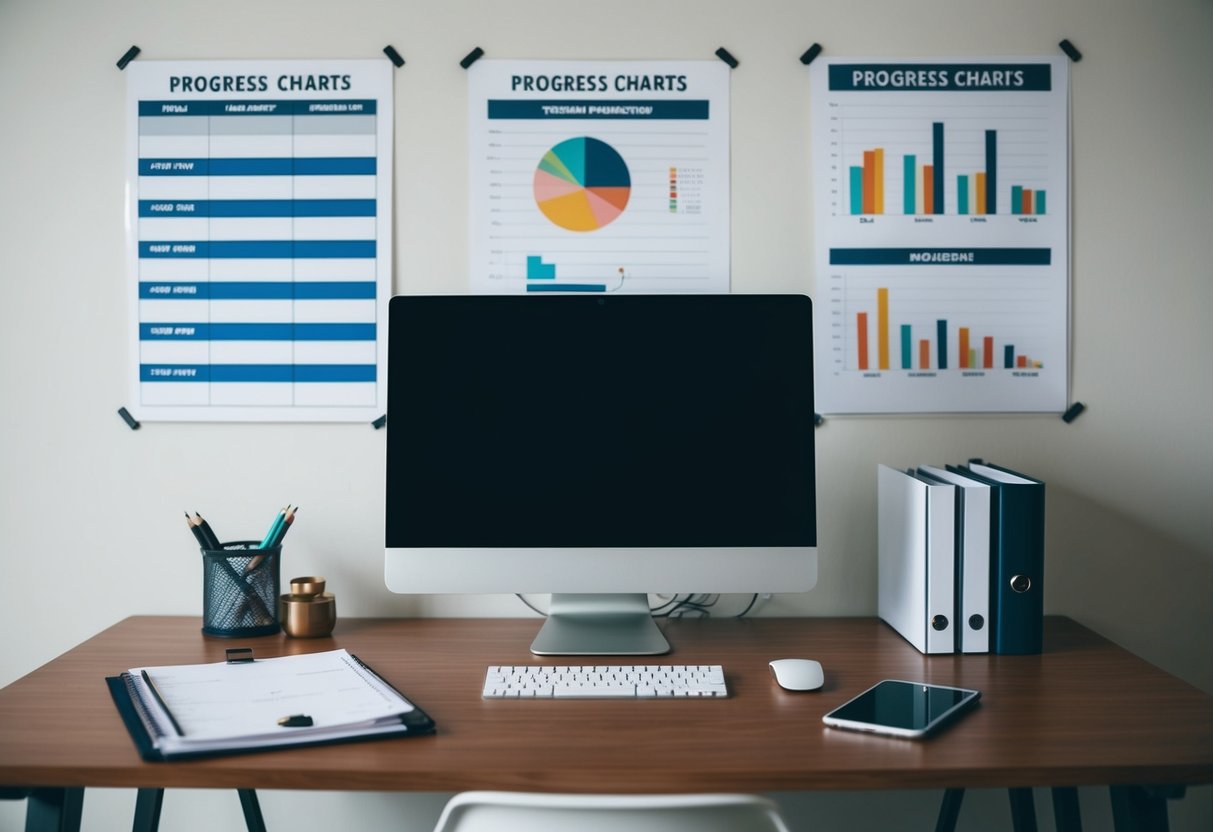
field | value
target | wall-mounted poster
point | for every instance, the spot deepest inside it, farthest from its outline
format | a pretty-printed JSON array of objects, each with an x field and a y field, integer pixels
[
  {"x": 940, "y": 194},
  {"x": 259, "y": 239},
  {"x": 599, "y": 176}
]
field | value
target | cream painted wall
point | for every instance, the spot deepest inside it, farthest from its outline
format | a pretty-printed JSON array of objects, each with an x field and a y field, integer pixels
[{"x": 90, "y": 511}]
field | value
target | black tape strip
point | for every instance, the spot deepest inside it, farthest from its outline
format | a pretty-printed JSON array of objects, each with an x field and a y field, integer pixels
[
  {"x": 810, "y": 53},
  {"x": 393, "y": 55},
  {"x": 471, "y": 57},
  {"x": 727, "y": 57},
  {"x": 1071, "y": 50},
  {"x": 131, "y": 421},
  {"x": 380, "y": 422},
  {"x": 128, "y": 57},
  {"x": 1073, "y": 412}
]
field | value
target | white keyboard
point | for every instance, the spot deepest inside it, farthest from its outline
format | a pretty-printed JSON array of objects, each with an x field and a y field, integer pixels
[{"x": 652, "y": 681}]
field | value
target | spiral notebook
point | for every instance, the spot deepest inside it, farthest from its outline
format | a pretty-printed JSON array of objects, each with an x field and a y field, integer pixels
[{"x": 178, "y": 711}]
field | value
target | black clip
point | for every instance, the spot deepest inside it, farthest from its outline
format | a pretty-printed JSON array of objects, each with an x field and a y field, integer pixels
[
  {"x": 810, "y": 53},
  {"x": 239, "y": 655},
  {"x": 1071, "y": 50},
  {"x": 131, "y": 421},
  {"x": 818, "y": 420},
  {"x": 471, "y": 57},
  {"x": 393, "y": 55},
  {"x": 128, "y": 57},
  {"x": 727, "y": 57},
  {"x": 380, "y": 422},
  {"x": 1073, "y": 412}
]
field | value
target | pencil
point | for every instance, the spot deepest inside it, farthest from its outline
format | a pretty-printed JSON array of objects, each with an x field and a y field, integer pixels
[
  {"x": 208, "y": 533},
  {"x": 201, "y": 538},
  {"x": 268, "y": 540},
  {"x": 286, "y": 525}
]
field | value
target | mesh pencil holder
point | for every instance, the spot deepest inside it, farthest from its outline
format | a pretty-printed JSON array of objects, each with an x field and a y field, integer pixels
[{"x": 240, "y": 590}]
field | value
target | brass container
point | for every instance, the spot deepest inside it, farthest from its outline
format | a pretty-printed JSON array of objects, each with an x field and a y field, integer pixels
[{"x": 308, "y": 611}]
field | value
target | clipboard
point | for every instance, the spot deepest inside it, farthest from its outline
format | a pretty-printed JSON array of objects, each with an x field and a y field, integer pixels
[{"x": 190, "y": 711}]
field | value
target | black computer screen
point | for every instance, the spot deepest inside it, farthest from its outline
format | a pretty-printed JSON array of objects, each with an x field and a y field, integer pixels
[{"x": 575, "y": 421}]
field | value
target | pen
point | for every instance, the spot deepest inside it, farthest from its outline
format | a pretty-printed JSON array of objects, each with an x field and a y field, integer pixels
[{"x": 147, "y": 680}]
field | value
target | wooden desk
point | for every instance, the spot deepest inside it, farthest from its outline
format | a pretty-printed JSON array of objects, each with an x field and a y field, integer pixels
[{"x": 1085, "y": 712}]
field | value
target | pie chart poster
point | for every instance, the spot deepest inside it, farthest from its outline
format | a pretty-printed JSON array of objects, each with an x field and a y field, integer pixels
[{"x": 599, "y": 176}]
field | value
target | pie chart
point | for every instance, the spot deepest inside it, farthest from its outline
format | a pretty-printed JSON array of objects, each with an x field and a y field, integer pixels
[{"x": 582, "y": 184}]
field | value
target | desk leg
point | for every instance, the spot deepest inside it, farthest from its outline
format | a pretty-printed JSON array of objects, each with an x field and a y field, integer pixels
[
  {"x": 949, "y": 810},
  {"x": 252, "y": 810},
  {"x": 1142, "y": 808},
  {"x": 147, "y": 810},
  {"x": 1066, "y": 814},
  {"x": 54, "y": 810},
  {"x": 1023, "y": 810}
]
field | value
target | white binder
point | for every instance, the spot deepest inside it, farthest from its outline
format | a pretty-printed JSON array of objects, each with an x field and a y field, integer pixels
[
  {"x": 916, "y": 552},
  {"x": 972, "y": 559}
]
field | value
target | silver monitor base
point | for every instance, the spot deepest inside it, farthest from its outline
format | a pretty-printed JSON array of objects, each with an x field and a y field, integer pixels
[{"x": 599, "y": 625}]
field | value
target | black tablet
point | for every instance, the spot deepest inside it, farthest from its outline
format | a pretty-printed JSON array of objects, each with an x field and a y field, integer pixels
[{"x": 901, "y": 709}]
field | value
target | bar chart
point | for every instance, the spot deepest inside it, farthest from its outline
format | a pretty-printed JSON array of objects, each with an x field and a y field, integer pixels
[
  {"x": 915, "y": 165},
  {"x": 880, "y": 340}
]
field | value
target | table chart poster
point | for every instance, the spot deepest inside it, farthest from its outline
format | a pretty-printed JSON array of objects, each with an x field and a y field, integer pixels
[
  {"x": 599, "y": 176},
  {"x": 940, "y": 197},
  {"x": 259, "y": 239}
]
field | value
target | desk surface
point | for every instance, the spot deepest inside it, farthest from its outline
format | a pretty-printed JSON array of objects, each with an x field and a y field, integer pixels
[{"x": 1085, "y": 712}]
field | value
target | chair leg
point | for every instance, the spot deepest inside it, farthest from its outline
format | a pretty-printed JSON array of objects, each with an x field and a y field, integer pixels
[
  {"x": 252, "y": 810},
  {"x": 1023, "y": 810},
  {"x": 147, "y": 810},
  {"x": 949, "y": 810}
]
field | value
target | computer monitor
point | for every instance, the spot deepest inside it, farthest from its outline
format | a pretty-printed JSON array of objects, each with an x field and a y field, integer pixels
[{"x": 600, "y": 449}]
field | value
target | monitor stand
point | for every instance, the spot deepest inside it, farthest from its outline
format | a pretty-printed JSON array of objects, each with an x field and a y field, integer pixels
[{"x": 600, "y": 625}]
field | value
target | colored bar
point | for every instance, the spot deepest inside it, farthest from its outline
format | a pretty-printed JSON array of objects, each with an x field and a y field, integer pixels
[
  {"x": 1008, "y": 356},
  {"x": 963, "y": 357},
  {"x": 962, "y": 194},
  {"x": 941, "y": 335},
  {"x": 878, "y": 184},
  {"x": 907, "y": 349},
  {"x": 924, "y": 354},
  {"x": 980, "y": 197},
  {"x": 856, "y": 190},
  {"x": 909, "y": 168},
  {"x": 861, "y": 323},
  {"x": 1021, "y": 361},
  {"x": 566, "y": 287},
  {"x": 991, "y": 171},
  {"x": 536, "y": 269},
  {"x": 1016, "y": 199},
  {"x": 869, "y": 181},
  {"x": 972, "y": 358},
  {"x": 987, "y": 353},
  {"x": 928, "y": 190},
  {"x": 937, "y": 166},
  {"x": 1040, "y": 202},
  {"x": 1027, "y": 201},
  {"x": 882, "y": 327}
]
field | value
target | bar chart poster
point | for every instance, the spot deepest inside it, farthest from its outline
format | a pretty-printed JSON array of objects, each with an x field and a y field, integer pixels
[
  {"x": 599, "y": 176},
  {"x": 259, "y": 239},
  {"x": 940, "y": 195}
]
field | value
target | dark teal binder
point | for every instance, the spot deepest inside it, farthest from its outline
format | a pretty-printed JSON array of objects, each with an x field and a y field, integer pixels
[{"x": 1017, "y": 549}]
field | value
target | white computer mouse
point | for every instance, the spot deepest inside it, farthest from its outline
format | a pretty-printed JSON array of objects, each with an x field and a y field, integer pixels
[{"x": 797, "y": 674}]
